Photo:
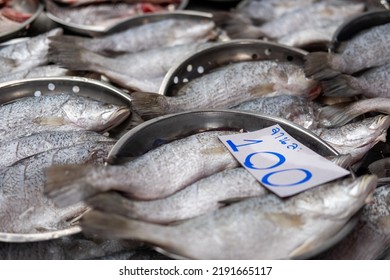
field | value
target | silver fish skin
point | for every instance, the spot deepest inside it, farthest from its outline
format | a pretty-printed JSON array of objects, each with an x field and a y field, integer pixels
[
  {"x": 371, "y": 237},
  {"x": 339, "y": 114},
  {"x": 58, "y": 112},
  {"x": 201, "y": 197},
  {"x": 297, "y": 109},
  {"x": 369, "y": 48},
  {"x": 164, "y": 33},
  {"x": 175, "y": 165},
  {"x": 371, "y": 83},
  {"x": 84, "y": 2},
  {"x": 274, "y": 228},
  {"x": 229, "y": 86},
  {"x": 141, "y": 71},
  {"x": 18, "y": 149},
  {"x": 26, "y": 54},
  {"x": 356, "y": 138},
  {"x": 23, "y": 207}
]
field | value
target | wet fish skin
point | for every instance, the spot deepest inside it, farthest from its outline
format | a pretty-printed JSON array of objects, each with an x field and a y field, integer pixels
[
  {"x": 201, "y": 197},
  {"x": 141, "y": 71},
  {"x": 356, "y": 138},
  {"x": 18, "y": 149},
  {"x": 371, "y": 83},
  {"x": 84, "y": 2},
  {"x": 367, "y": 49},
  {"x": 177, "y": 164},
  {"x": 229, "y": 86},
  {"x": 58, "y": 112},
  {"x": 164, "y": 33},
  {"x": 23, "y": 207},
  {"x": 274, "y": 229},
  {"x": 297, "y": 109}
]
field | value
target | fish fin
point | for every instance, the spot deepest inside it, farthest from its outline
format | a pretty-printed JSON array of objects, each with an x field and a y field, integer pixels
[
  {"x": 233, "y": 200},
  {"x": 262, "y": 90},
  {"x": 339, "y": 86},
  {"x": 343, "y": 160},
  {"x": 336, "y": 115},
  {"x": 67, "y": 184},
  {"x": 149, "y": 105},
  {"x": 317, "y": 66},
  {"x": 304, "y": 248},
  {"x": 51, "y": 121},
  {"x": 70, "y": 40},
  {"x": 214, "y": 151},
  {"x": 111, "y": 202}
]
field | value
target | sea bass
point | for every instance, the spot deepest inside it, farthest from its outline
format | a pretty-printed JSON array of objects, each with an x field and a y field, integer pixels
[
  {"x": 58, "y": 112},
  {"x": 156, "y": 174},
  {"x": 142, "y": 71},
  {"x": 24, "y": 147},
  {"x": 23, "y": 207},
  {"x": 274, "y": 228},
  {"x": 366, "y": 49},
  {"x": 356, "y": 138},
  {"x": 198, "y": 198},
  {"x": 228, "y": 86}
]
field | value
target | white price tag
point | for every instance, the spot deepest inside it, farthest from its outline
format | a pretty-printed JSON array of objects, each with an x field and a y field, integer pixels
[{"x": 279, "y": 162}]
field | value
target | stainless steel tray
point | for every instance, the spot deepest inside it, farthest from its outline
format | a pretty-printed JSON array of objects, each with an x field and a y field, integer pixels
[
  {"x": 12, "y": 91},
  {"x": 167, "y": 128},
  {"x": 224, "y": 53},
  {"x": 30, "y": 6}
]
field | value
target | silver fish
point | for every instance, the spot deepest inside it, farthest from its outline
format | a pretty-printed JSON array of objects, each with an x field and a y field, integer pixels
[
  {"x": 175, "y": 165},
  {"x": 23, "y": 207},
  {"x": 84, "y": 2},
  {"x": 228, "y": 86},
  {"x": 58, "y": 112},
  {"x": 369, "y": 48},
  {"x": 342, "y": 113},
  {"x": 356, "y": 138},
  {"x": 370, "y": 83},
  {"x": 201, "y": 197},
  {"x": 257, "y": 228},
  {"x": 142, "y": 71},
  {"x": 163, "y": 33},
  {"x": 297, "y": 109},
  {"x": 24, "y": 147}
]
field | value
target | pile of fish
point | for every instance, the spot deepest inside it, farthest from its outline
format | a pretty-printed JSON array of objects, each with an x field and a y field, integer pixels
[{"x": 172, "y": 194}]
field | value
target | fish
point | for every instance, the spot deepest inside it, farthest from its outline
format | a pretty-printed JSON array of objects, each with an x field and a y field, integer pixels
[
  {"x": 175, "y": 165},
  {"x": 163, "y": 33},
  {"x": 15, "y": 14},
  {"x": 228, "y": 86},
  {"x": 297, "y": 109},
  {"x": 24, "y": 208},
  {"x": 371, "y": 83},
  {"x": 26, "y": 54},
  {"x": 140, "y": 71},
  {"x": 84, "y": 2},
  {"x": 58, "y": 112},
  {"x": 256, "y": 228},
  {"x": 370, "y": 239},
  {"x": 380, "y": 168},
  {"x": 203, "y": 196},
  {"x": 369, "y": 45},
  {"x": 356, "y": 138},
  {"x": 102, "y": 16},
  {"x": 18, "y": 149},
  {"x": 314, "y": 16},
  {"x": 7, "y": 25},
  {"x": 342, "y": 113}
]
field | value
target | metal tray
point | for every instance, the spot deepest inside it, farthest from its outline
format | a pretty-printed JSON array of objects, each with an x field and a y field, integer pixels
[
  {"x": 30, "y": 6},
  {"x": 167, "y": 128},
  {"x": 225, "y": 53},
  {"x": 357, "y": 24},
  {"x": 12, "y": 91},
  {"x": 99, "y": 30}
]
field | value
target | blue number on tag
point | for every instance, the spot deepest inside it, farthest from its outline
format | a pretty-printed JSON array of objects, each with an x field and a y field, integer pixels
[
  {"x": 234, "y": 146},
  {"x": 266, "y": 179},
  {"x": 249, "y": 164}
]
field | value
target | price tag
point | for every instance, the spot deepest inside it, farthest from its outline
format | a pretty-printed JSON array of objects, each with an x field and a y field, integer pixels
[{"x": 279, "y": 162}]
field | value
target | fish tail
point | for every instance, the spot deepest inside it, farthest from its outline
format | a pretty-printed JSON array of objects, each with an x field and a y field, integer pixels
[
  {"x": 344, "y": 160},
  {"x": 319, "y": 66},
  {"x": 149, "y": 105},
  {"x": 70, "y": 40},
  {"x": 67, "y": 184},
  {"x": 336, "y": 115},
  {"x": 339, "y": 86},
  {"x": 114, "y": 226}
]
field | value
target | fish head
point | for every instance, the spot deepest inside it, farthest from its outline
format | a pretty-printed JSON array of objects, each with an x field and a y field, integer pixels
[{"x": 94, "y": 115}]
